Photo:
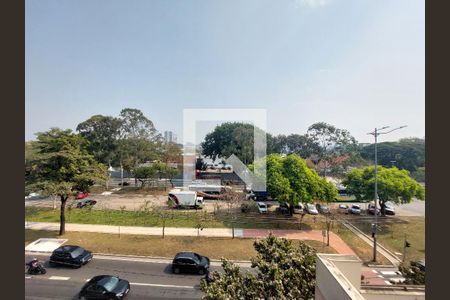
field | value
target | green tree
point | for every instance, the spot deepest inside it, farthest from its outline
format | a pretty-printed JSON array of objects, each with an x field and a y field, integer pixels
[
  {"x": 283, "y": 271},
  {"x": 102, "y": 133},
  {"x": 231, "y": 138},
  {"x": 412, "y": 274},
  {"x": 408, "y": 154},
  {"x": 62, "y": 167},
  {"x": 291, "y": 181},
  {"x": 301, "y": 145},
  {"x": 393, "y": 185}
]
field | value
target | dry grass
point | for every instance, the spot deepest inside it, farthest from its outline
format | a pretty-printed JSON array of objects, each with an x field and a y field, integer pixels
[
  {"x": 215, "y": 248},
  {"x": 361, "y": 248}
]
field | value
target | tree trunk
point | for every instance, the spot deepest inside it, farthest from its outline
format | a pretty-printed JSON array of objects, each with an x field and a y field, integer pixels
[{"x": 62, "y": 224}]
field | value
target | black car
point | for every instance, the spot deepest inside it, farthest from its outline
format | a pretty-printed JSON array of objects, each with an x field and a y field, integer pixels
[
  {"x": 85, "y": 203},
  {"x": 69, "y": 255},
  {"x": 105, "y": 287},
  {"x": 190, "y": 262}
]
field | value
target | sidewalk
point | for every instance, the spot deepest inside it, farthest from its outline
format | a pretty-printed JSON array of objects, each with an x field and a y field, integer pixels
[{"x": 335, "y": 241}]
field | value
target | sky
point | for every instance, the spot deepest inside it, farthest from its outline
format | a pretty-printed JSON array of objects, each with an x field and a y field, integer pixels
[{"x": 355, "y": 64}]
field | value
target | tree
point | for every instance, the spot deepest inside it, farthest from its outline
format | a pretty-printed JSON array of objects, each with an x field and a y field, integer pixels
[
  {"x": 102, "y": 133},
  {"x": 231, "y": 138},
  {"x": 136, "y": 125},
  {"x": 291, "y": 181},
  {"x": 408, "y": 154},
  {"x": 331, "y": 142},
  {"x": 393, "y": 185},
  {"x": 62, "y": 167},
  {"x": 283, "y": 271},
  {"x": 200, "y": 164},
  {"x": 139, "y": 141},
  {"x": 412, "y": 274},
  {"x": 301, "y": 145}
]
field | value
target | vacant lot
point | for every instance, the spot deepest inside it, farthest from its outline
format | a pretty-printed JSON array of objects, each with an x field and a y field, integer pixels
[{"x": 215, "y": 248}]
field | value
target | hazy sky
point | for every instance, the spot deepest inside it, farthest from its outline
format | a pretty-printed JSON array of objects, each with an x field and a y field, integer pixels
[{"x": 357, "y": 64}]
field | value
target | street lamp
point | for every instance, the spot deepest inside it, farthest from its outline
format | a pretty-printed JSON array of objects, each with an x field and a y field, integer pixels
[{"x": 376, "y": 133}]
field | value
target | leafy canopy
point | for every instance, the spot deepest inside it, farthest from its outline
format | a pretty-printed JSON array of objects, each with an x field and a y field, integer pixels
[
  {"x": 283, "y": 271},
  {"x": 393, "y": 185},
  {"x": 290, "y": 180}
]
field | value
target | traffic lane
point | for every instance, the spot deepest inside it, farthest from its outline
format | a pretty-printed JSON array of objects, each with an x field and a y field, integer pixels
[
  {"x": 137, "y": 271},
  {"x": 45, "y": 288}
]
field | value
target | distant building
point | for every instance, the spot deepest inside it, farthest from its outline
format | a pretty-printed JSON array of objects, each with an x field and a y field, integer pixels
[{"x": 170, "y": 137}]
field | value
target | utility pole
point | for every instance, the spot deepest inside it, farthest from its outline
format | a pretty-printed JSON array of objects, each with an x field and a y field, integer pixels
[{"x": 376, "y": 133}]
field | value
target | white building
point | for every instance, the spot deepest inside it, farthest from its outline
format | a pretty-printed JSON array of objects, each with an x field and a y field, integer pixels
[{"x": 339, "y": 277}]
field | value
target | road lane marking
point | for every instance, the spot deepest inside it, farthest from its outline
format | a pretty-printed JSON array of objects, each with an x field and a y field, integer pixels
[
  {"x": 388, "y": 272},
  {"x": 163, "y": 285},
  {"x": 27, "y": 277},
  {"x": 58, "y": 278}
]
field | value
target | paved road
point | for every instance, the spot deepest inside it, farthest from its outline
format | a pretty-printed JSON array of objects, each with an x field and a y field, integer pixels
[{"x": 149, "y": 280}]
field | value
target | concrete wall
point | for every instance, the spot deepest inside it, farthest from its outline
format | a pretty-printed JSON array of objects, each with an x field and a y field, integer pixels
[
  {"x": 392, "y": 295},
  {"x": 332, "y": 284}
]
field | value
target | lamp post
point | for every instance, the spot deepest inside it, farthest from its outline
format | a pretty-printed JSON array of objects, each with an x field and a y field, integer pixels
[{"x": 376, "y": 133}]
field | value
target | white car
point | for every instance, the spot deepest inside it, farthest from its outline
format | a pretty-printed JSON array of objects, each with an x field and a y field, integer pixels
[
  {"x": 262, "y": 207},
  {"x": 298, "y": 209},
  {"x": 311, "y": 209}
]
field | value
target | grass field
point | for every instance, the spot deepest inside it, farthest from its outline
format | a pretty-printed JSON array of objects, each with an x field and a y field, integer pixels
[
  {"x": 361, "y": 248},
  {"x": 177, "y": 218},
  {"x": 214, "y": 248},
  {"x": 392, "y": 236}
]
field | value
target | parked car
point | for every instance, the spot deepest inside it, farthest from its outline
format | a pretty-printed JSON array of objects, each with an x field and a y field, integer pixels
[
  {"x": 85, "y": 203},
  {"x": 105, "y": 287},
  {"x": 82, "y": 195},
  {"x": 355, "y": 209},
  {"x": 323, "y": 209},
  {"x": 33, "y": 196},
  {"x": 298, "y": 209},
  {"x": 311, "y": 209},
  {"x": 262, "y": 207},
  {"x": 283, "y": 209},
  {"x": 389, "y": 209},
  {"x": 190, "y": 262},
  {"x": 70, "y": 255},
  {"x": 371, "y": 209}
]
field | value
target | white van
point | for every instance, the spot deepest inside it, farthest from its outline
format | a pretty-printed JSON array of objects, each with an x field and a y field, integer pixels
[{"x": 185, "y": 198}]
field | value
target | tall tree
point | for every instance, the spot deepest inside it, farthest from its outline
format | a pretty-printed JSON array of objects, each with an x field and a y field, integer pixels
[
  {"x": 231, "y": 138},
  {"x": 331, "y": 142},
  {"x": 102, "y": 133},
  {"x": 393, "y": 185},
  {"x": 62, "y": 167},
  {"x": 136, "y": 125},
  {"x": 283, "y": 271}
]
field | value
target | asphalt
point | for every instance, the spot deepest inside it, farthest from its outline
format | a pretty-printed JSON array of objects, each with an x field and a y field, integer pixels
[{"x": 148, "y": 279}]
